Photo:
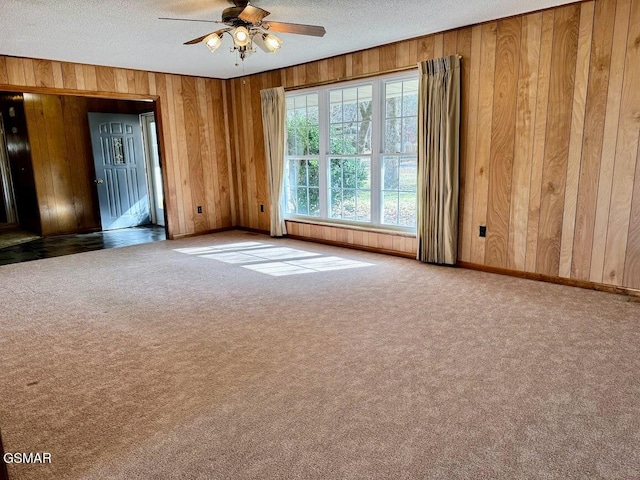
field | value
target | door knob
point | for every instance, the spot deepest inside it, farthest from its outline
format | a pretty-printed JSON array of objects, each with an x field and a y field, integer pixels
[{"x": 98, "y": 181}]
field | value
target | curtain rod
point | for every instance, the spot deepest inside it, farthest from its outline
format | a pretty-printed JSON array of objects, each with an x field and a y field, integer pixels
[{"x": 353, "y": 77}]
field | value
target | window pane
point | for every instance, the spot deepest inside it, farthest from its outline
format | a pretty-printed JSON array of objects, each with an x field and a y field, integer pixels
[
  {"x": 336, "y": 139},
  {"x": 335, "y": 113},
  {"x": 409, "y": 134},
  {"x": 393, "y": 102},
  {"x": 408, "y": 174},
  {"x": 390, "y": 207},
  {"x": 336, "y": 173},
  {"x": 392, "y": 136},
  {"x": 312, "y": 113},
  {"x": 364, "y": 137},
  {"x": 314, "y": 202},
  {"x": 410, "y": 98},
  {"x": 349, "y": 172},
  {"x": 291, "y": 140},
  {"x": 364, "y": 174},
  {"x": 336, "y": 203},
  {"x": 290, "y": 102},
  {"x": 408, "y": 210},
  {"x": 350, "y": 145},
  {"x": 302, "y": 125},
  {"x": 363, "y": 207},
  {"x": 303, "y": 201},
  {"x": 348, "y": 204},
  {"x": 314, "y": 172},
  {"x": 302, "y": 172},
  {"x": 390, "y": 173},
  {"x": 350, "y": 104}
]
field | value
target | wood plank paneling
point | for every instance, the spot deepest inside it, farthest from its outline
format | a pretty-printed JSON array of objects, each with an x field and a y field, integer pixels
[
  {"x": 105, "y": 79},
  {"x": 472, "y": 65},
  {"x": 4, "y": 78},
  {"x": 610, "y": 137},
  {"x": 464, "y": 50},
  {"x": 502, "y": 140},
  {"x": 43, "y": 73},
  {"x": 524, "y": 137},
  {"x": 596, "y": 108},
  {"x": 539, "y": 138},
  {"x": 15, "y": 71},
  {"x": 563, "y": 61},
  {"x": 576, "y": 138},
  {"x": 626, "y": 154},
  {"x": 194, "y": 141},
  {"x": 395, "y": 244},
  {"x": 69, "y": 76},
  {"x": 632, "y": 261},
  {"x": 483, "y": 139}
]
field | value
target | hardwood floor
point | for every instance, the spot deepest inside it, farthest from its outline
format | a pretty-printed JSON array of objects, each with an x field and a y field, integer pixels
[{"x": 69, "y": 244}]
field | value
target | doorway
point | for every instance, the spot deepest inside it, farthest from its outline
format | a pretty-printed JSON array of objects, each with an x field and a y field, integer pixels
[
  {"x": 58, "y": 154},
  {"x": 128, "y": 176}
]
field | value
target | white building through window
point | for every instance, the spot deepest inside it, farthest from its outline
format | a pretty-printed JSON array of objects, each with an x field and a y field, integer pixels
[{"x": 351, "y": 153}]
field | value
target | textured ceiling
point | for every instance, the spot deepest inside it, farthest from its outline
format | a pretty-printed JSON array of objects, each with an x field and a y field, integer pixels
[{"x": 128, "y": 33}]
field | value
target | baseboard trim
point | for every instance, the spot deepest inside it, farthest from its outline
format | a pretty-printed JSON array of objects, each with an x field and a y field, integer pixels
[
  {"x": 352, "y": 246},
  {"x": 601, "y": 287},
  {"x": 197, "y": 234}
]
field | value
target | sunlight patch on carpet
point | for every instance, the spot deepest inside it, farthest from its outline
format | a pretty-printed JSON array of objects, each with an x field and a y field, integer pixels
[
  {"x": 323, "y": 264},
  {"x": 291, "y": 261}
]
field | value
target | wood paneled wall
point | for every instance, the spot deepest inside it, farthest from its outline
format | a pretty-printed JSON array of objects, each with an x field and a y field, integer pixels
[
  {"x": 550, "y": 133},
  {"x": 192, "y": 126},
  {"x": 62, "y": 163},
  {"x": 400, "y": 244}
]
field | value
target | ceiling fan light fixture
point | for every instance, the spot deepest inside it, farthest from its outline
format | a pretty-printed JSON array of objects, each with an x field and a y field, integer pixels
[
  {"x": 241, "y": 36},
  {"x": 272, "y": 42},
  {"x": 213, "y": 41}
]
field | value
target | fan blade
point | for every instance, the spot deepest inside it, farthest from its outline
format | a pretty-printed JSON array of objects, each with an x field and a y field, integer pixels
[
  {"x": 297, "y": 28},
  {"x": 189, "y": 20},
  {"x": 253, "y": 14},
  {"x": 199, "y": 39}
]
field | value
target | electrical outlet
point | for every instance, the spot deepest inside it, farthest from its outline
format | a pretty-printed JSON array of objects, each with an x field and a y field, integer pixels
[
  {"x": 483, "y": 231},
  {"x": 199, "y": 208}
]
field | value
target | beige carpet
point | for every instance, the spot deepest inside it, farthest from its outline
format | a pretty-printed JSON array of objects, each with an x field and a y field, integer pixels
[
  {"x": 150, "y": 363},
  {"x": 12, "y": 237}
]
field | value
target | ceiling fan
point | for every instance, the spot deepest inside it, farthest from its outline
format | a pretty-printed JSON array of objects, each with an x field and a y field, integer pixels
[{"x": 247, "y": 26}]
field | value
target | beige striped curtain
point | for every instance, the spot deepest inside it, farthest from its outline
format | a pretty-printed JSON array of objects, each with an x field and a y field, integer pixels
[
  {"x": 273, "y": 122},
  {"x": 438, "y": 160}
]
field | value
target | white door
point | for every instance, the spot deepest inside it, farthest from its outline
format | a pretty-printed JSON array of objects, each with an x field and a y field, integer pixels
[{"x": 120, "y": 170}]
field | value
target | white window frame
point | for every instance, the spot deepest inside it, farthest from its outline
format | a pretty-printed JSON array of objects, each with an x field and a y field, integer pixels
[{"x": 377, "y": 152}]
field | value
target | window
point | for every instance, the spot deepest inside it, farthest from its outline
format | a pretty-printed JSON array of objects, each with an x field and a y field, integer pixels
[{"x": 351, "y": 153}]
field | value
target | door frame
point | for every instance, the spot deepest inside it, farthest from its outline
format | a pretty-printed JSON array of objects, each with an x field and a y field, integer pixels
[{"x": 152, "y": 185}]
